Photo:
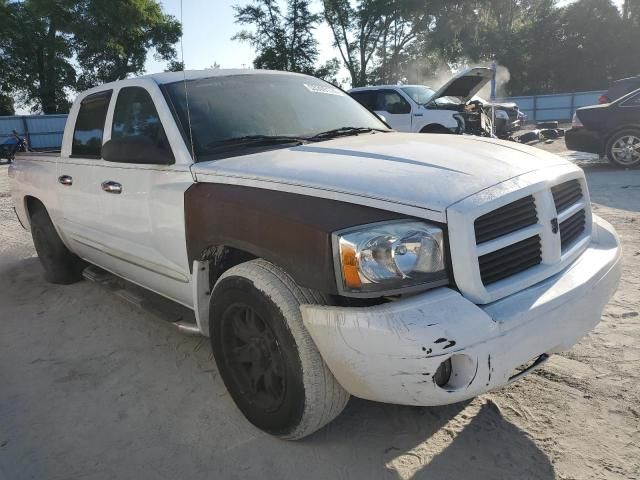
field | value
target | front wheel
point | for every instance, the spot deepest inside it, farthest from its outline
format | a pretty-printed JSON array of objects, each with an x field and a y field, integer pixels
[
  {"x": 266, "y": 358},
  {"x": 623, "y": 149}
]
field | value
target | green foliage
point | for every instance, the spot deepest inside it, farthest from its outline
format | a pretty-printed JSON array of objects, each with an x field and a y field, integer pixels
[
  {"x": 175, "y": 66},
  {"x": 36, "y": 51},
  {"x": 127, "y": 30},
  {"x": 547, "y": 48},
  {"x": 6, "y": 105},
  {"x": 50, "y": 47}
]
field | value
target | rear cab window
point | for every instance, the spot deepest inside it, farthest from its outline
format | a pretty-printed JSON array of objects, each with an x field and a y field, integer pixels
[{"x": 89, "y": 127}]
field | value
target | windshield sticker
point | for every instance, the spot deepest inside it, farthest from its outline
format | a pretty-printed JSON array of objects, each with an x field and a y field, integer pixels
[{"x": 323, "y": 89}]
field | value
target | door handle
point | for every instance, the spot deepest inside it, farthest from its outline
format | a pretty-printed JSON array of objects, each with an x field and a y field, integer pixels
[
  {"x": 111, "y": 187},
  {"x": 65, "y": 180}
]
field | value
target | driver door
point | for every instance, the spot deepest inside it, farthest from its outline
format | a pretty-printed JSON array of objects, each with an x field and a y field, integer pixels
[{"x": 142, "y": 205}]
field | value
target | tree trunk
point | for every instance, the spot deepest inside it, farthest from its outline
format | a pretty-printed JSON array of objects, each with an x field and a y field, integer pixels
[{"x": 47, "y": 73}]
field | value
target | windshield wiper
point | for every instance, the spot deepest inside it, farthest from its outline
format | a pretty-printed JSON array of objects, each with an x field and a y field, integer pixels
[
  {"x": 256, "y": 141},
  {"x": 343, "y": 131}
]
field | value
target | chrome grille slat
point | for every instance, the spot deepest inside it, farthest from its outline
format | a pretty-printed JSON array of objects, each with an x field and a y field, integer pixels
[{"x": 507, "y": 219}]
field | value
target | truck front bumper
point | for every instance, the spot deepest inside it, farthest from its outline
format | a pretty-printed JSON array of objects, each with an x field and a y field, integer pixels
[{"x": 390, "y": 352}]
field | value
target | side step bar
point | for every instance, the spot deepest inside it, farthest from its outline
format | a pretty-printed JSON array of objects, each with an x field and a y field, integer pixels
[{"x": 177, "y": 315}]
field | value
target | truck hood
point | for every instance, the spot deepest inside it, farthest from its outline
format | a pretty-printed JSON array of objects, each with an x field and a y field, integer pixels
[
  {"x": 464, "y": 85},
  {"x": 430, "y": 172}
]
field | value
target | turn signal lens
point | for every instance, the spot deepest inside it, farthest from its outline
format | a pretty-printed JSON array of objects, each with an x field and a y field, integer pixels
[{"x": 350, "y": 266}]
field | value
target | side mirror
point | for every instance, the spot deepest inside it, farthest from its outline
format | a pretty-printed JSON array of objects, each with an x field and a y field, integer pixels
[
  {"x": 381, "y": 117},
  {"x": 137, "y": 149}
]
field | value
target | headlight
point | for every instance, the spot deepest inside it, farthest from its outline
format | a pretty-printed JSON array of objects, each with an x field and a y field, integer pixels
[{"x": 390, "y": 256}]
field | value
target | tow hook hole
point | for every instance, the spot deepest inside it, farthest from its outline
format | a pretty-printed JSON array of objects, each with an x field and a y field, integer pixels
[
  {"x": 455, "y": 373},
  {"x": 443, "y": 373}
]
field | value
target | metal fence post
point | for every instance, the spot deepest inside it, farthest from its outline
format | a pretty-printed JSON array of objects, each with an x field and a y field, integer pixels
[
  {"x": 535, "y": 108},
  {"x": 26, "y": 129},
  {"x": 573, "y": 104}
]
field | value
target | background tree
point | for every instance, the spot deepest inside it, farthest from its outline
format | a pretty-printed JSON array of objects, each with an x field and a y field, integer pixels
[
  {"x": 37, "y": 52},
  {"x": 283, "y": 41},
  {"x": 6, "y": 106},
  {"x": 357, "y": 30},
  {"x": 175, "y": 66},
  {"x": 50, "y": 47},
  {"x": 126, "y": 31}
]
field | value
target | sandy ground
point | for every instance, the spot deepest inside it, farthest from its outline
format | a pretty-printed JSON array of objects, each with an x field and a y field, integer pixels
[{"x": 93, "y": 387}]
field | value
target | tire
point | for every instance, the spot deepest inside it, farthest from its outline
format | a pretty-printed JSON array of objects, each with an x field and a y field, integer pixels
[
  {"x": 60, "y": 265},
  {"x": 266, "y": 358},
  {"x": 622, "y": 153}
]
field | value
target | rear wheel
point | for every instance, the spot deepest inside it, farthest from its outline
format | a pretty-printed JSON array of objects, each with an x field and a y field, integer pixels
[
  {"x": 623, "y": 149},
  {"x": 60, "y": 265},
  {"x": 266, "y": 358}
]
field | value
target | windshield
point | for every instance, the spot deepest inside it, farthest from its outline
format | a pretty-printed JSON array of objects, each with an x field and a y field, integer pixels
[
  {"x": 420, "y": 95},
  {"x": 276, "y": 105}
]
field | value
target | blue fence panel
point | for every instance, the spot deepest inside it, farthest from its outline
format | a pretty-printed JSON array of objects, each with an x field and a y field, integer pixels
[
  {"x": 43, "y": 132},
  {"x": 559, "y": 107}
]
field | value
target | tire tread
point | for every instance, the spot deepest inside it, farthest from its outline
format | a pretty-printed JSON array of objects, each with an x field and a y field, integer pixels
[{"x": 324, "y": 396}]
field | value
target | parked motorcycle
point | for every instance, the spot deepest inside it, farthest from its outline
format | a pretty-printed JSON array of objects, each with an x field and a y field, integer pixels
[{"x": 14, "y": 144}]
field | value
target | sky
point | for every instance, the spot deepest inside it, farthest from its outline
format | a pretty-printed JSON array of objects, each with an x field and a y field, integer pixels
[{"x": 208, "y": 26}]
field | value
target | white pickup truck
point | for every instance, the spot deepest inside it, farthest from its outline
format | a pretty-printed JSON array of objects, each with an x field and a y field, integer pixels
[
  {"x": 453, "y": 108},
  {"x": 324, "y": 254}
]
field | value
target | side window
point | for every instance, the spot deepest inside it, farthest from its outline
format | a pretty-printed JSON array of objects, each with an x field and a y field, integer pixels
[
  {"x": 135, "y": 115},
  {"x": 367, "y": 99},
  {"x": 391, "y": 102},
  {"x": 87, "y": 135}
]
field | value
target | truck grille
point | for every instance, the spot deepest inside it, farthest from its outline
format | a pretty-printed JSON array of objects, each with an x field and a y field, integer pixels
[
  {"x": 518, "y": 241},
  {"x": 510, "y": 260},
  {"x": 572, "y": 228},
  {"x": 508, "y": 219},
  {"x": 566, "y": 194}
]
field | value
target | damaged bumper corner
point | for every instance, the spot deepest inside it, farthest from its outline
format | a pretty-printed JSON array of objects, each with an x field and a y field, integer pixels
[{"x": 390, "y": 352}]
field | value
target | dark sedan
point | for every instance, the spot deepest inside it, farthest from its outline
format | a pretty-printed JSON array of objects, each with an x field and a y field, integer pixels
[{"x": 611, "y": 129}]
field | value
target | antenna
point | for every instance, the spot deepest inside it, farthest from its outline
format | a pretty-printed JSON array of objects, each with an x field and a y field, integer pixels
[{"x": 184, "y": 79}]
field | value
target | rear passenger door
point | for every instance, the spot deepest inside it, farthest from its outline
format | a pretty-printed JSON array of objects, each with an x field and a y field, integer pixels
[
  {"x": 75, "y": 186},
  {"x": 396, "y": 109}
]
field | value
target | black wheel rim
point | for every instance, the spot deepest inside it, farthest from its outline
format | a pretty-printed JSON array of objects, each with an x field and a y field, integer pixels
[{"x": 253, "y": 357}]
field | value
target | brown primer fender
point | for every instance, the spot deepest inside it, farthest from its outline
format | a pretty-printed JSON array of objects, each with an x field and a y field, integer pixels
[{"x": 290, "y": 230}]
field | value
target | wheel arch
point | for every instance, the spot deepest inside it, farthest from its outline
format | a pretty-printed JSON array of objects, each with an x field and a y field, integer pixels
[
  {"x": 617, "y": 130},
  {"x": 228, "y": 223},
  {"x": 434, "y": 128},
  {"x": 31, "y": 204}
]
